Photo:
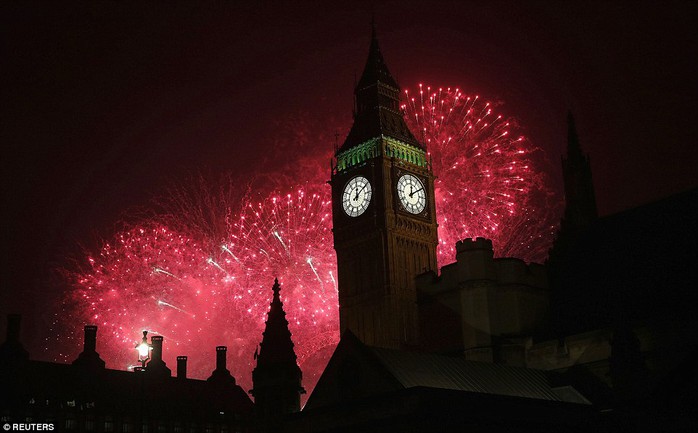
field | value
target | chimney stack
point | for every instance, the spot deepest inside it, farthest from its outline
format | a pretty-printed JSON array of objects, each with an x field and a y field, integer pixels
[
  {"x": 181, "y": 367},
  {"x": 156, "y": 341},
  {"x": 221, "y": 374},
  {"x": 13, "y": 323},
  {"x": 89, "y": 358},
  {"x": 12, "y": 351},
  {"x": 156, "y": 365},
  {"x": 90, "y": 338}
]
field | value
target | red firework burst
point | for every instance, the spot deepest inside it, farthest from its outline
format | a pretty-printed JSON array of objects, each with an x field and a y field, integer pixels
[{"x": 487, "y": 183}]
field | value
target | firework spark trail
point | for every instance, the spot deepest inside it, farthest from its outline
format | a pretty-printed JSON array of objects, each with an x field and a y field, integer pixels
[
  {"x": 334, "y": 282},
  {"x": 213, "y": 263},
  {"x": 227, "y": 250},
  {"x": 281, "y": 241},
  {"x": 309, "y": 261},
  {"x": 162, "y": 271},
  {"x": 167, "y": 304}
]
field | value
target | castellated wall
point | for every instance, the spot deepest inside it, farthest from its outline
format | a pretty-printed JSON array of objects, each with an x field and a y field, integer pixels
[{"x": 480, "y": 306}]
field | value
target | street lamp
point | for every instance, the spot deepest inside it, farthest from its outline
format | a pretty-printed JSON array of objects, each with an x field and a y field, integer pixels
[{"x": 143, "y": 349}]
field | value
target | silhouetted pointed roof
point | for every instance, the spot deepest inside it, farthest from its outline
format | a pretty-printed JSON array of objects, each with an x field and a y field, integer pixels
[
  {"x": 580, "y": 198},
  {"x": 276, "y": 346},
  {"x": 375, "y": 70}
]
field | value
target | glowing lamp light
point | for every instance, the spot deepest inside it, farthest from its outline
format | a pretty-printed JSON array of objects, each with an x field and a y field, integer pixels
[{"x": 144, "y": 349}]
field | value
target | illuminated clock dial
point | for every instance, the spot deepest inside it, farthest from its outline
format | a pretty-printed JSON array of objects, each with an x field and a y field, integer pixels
[
  {"x": 357, "y": 196},
  {"x": 411, "y": 192}
]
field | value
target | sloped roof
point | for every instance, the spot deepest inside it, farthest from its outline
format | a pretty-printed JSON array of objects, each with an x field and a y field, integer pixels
[
  {"x": 357, "y": 371},
  {"x": 415, "y": 369},
  {"x": 376, "y": 70}
]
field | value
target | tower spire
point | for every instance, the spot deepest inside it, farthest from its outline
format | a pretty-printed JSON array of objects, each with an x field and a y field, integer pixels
[
  {"x": 277, "y": 377},
  {"x": 277, "y": 345},
  {"x": 580, "y": 199},
  {"x": 377, "y": 103}
]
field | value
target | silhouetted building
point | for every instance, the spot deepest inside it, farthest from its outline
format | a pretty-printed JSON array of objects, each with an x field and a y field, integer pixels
[
  {"x": 371, "y": 389},
  {"x": 86, "y": 397}
]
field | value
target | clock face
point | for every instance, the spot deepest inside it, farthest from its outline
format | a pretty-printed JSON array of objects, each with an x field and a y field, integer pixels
[
  {"x": 411, "y": 192},
  {"x": 357, "y": 196}
]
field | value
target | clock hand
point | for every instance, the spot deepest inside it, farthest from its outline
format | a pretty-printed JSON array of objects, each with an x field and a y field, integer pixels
[
  {"x": 358, "y": 191},
  {"x": 413, "y": 192}
]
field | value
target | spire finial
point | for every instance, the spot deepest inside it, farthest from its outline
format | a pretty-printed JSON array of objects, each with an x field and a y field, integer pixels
[
  {"x": 573, "y": 147},
  {"x": 276, "y": 287},
  {"x": 373, "y": 27}
]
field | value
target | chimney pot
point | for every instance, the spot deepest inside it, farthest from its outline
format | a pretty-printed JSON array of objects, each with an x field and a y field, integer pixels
[
  {"x": 221, "y": 357},
  {"x": 181, "y": 367},
  {"x": 13, "y": 325}
]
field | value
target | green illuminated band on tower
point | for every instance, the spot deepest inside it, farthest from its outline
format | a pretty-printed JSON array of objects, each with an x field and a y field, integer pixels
[{"x": 380, "y": 146}]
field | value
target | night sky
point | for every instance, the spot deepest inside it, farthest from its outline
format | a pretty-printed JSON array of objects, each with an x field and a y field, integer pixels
[{"x": 105, "y": 104}]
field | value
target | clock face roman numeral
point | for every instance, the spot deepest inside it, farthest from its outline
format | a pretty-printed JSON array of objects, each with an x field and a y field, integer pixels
[
  {"x": 411, "y": 192},
  {"x": 356, "y": 196}
]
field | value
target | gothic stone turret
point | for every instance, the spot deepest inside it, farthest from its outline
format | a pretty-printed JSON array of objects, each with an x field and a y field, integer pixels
[{"x": 482, "y": 307}]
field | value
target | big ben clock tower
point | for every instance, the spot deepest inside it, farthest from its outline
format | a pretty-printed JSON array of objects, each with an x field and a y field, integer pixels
[{"x": 383, "y": 214}]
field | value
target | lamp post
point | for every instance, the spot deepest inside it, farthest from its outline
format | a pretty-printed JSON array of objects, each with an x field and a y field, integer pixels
[{"x": 143, "y": 349}]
